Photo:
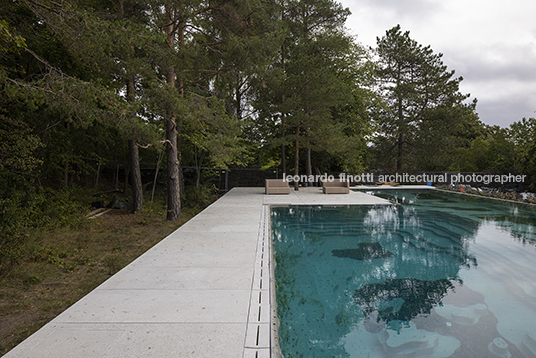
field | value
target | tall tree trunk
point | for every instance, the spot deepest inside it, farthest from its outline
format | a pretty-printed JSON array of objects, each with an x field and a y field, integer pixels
[
  {"x": 127, "y": 175},
  {"x": 134, "y": 157},
  {"x": 173, "y": 190},
  {"x": 400, "y": 153},
  {"x": 197, "y": 169},
  {"x": 283, "y": 114},
  {"x": 66, "y": 166},
  {"x": 308, "y": 167},
  {"x": 238, "y": 102},
  {"x": 297, "y": 158},
  {"x": 283, "y": 120},
  {"x": 182, "y": 188},
  {"x": 137, "y": 190},
  {"x": 283, "y": 159},
  {"x": 180, "y": 87},
  {"x": 400, "y": 126},
  {"x": 66, "y": 174},
  {"x": 160, "y": 155},
  {"x": 125, "y": 9}
]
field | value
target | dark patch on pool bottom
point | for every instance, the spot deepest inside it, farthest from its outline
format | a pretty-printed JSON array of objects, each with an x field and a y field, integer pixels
[
  {"x": 401, "y": 299},
  {"x": 365, "y": 251}
]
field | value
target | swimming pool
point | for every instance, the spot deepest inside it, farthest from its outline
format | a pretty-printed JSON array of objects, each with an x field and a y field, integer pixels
[{"x": 440, "y": 275}]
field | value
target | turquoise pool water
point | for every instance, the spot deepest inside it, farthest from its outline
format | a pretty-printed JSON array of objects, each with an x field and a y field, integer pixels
[{"x": 439, "y": 275}]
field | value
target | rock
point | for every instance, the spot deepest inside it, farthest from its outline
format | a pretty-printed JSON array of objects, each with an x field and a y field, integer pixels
[{"x": 118, "y": 203}]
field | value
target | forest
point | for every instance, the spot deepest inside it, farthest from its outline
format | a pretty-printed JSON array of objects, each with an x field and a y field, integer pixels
[{"x": 95, "y": 86}]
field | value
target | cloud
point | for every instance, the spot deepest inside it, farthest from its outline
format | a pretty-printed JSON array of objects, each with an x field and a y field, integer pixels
[
  {"x": 492, "y": 45},
  {"x": 396, "y": 8},
  {"x": 505, "y": 111},
  {"x": 502, "y": 77},
  {"x": 496, "y": 62}
]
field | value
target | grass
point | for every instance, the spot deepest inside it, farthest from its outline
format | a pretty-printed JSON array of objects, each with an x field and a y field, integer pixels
[{"x": 65, "y": 264}]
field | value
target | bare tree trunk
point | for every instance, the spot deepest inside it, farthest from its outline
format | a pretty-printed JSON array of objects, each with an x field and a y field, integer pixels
[
  {"x": 137, "y": 189},
  {"x": 400, "y": 153},
  {"x": 180, "y": 87},
  {"x": 400, "y": 143},
  {"x": 98, "y": 175},
  {"x": 297, "y": 158},
  {"x": 127, "y": 175},
  {"x": 283, "y": 159},
  {"x": 160, "y": 155},
  {"x": 308, "y": 167},
  {"x": 125, "y": 9},
  {"x": 283, "y": 115},
  {"x": 66, "y": 166},
  {"x": 173, "y": 190},
  {"x": 197, "y": 169},
  {"x": 134, "y": 158},
  {"x": 66, "y": 174}
]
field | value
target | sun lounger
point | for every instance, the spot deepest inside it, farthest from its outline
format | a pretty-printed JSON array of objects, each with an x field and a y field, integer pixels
[
  {"x": 337, "y": 186},
  {"x": 277, "y": 186},
  {"x": 389, "y": 183}
]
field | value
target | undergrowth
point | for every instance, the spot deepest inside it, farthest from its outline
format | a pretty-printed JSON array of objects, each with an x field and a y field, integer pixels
[{"x": 56, "y": 256}]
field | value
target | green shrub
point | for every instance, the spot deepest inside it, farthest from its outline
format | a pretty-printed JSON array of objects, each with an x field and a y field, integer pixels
[
  {"x": 32, "y": 208},
  {"x": 12, "y": 246},
  {"x": 199, "y": 197}
]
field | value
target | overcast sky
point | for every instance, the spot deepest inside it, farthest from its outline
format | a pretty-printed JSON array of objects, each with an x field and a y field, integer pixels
[{"x": 490, "y": 43}]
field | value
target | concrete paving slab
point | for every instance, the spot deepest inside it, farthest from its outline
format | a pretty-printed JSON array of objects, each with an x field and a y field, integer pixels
[
  {"x": 152, "y": 306},
  {"x": 235, "y": 227},
  {"x": 180, "y": 340},
  {"x": 206, "y": 241},
  {"x": 196, "y": 340},
  {"x": 222, "y": 226},
  {"x": 204, "y": 291},
  {"x": 219, "y": 215},
  {"x": 68, "y": 343},
  {"x": 180, "y": 278},
  {"x": 216, "y": 212},
  {"x": 210, "y": 259}
]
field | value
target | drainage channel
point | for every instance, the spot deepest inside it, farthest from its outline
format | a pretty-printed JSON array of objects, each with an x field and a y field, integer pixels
[{"x": 262, "y": 327}]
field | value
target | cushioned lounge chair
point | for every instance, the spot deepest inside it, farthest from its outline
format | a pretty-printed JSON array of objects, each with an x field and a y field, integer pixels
[
  {"x": 337, "y": 186},
  {"x": 277, "y": 186}
]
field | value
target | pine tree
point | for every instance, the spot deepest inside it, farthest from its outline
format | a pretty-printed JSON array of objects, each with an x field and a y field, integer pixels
[
  {"x": 202, "y": 41},
  {"x": 412, "y": 81},
  {"x": 306, "y": 83}
]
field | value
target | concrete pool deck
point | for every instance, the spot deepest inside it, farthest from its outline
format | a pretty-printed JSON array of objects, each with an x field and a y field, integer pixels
[{"x": 203, "y": 291}]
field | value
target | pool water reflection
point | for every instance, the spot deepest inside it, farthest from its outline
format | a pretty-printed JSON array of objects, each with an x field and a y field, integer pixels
[{"x": 440, "y": 275}]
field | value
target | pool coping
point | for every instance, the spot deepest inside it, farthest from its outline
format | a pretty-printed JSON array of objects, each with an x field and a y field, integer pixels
[{"x": 486, "y": 197}]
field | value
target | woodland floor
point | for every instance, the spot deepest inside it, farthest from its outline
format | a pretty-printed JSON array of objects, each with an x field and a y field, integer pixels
[{"x": 66, "y": 264}]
